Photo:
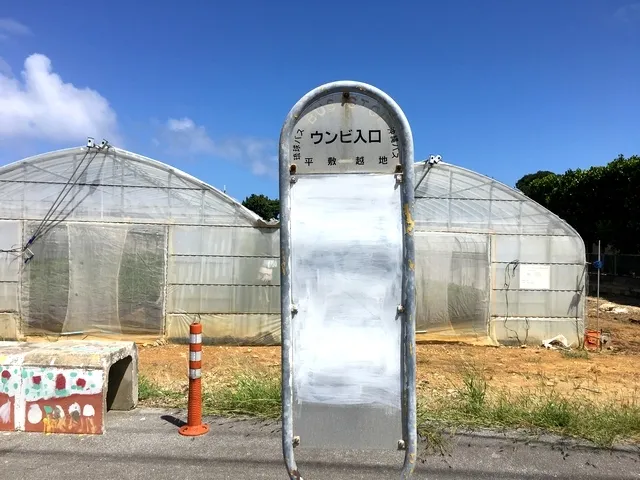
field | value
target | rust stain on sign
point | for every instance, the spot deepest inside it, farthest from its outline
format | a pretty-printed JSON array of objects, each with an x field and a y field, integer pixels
[{"x": 408, "y": 219}]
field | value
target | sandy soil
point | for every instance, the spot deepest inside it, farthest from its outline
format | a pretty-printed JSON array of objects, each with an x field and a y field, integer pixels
[{"x": 612, "y": 374}]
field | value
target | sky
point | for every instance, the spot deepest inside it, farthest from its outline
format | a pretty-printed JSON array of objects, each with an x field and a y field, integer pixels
[{"x": 502, "y": 87}]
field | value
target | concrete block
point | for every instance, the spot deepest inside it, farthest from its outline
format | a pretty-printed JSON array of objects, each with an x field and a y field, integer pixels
[
  {"x": 9, "y": 326},
  {"x": 66, "y": 386}
]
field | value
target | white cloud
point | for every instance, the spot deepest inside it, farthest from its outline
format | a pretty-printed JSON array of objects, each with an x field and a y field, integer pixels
[
  {"x": 5, "y": 68},
  {"x": 42, "y": 106},
  {"x": 628, "y": 13},
  {"x": 180, "y": 125},
  {"x": 9, "y": 26},
  {"x": 184, "y": 136}
]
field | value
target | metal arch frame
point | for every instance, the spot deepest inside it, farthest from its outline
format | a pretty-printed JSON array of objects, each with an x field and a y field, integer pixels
[{"x": 408, "y": 307}]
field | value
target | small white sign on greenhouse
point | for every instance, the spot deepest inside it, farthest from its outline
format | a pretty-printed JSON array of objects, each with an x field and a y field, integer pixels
[
  {"x": 535, "y": 277},
  {"x": 347, "y": 278}
]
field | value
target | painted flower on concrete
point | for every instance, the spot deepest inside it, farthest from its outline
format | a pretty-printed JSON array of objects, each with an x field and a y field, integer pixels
[
  {"x": 34, "y": 415},
  {"x": 61, "y": 382}
]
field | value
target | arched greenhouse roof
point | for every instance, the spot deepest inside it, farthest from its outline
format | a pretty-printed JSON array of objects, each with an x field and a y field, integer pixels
[
  {"x": 114, "y": 185},
  {"x": 457, "y": 199}
]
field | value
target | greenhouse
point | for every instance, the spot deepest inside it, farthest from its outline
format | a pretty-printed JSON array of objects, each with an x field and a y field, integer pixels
[
  {"x": 100, "y": 242},
  {"x": 122, "y": 245},
  {"x": 493, "y": 266}
]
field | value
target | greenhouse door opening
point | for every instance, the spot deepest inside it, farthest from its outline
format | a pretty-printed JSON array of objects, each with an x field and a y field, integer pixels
[{"x": 454, "y": 287}]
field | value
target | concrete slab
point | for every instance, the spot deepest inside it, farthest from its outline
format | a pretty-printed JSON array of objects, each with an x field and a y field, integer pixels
[{"x": 65, "y": 386}]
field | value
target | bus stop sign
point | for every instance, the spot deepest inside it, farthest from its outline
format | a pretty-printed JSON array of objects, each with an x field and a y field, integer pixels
[{"x": 347, "y": 274}]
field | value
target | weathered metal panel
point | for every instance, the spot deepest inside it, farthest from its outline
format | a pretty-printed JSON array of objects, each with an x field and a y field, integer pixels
[{"x": 305, "y": 153}]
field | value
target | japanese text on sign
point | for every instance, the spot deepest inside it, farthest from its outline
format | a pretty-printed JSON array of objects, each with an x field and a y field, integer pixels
[
  {"x": 345, "y": 137},
  {"x": 341, "y": 137},
  {"x": 374, "y": 137}
]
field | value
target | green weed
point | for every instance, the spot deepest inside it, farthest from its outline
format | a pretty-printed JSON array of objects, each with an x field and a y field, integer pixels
[{"x": 473, "y": 404}]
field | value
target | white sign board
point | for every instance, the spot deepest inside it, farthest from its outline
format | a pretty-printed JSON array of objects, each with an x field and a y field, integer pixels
[
  {"x": 535, "y": 277},
  {"x": 347, "y": 274},
  {"x": 346, "y": 250}
]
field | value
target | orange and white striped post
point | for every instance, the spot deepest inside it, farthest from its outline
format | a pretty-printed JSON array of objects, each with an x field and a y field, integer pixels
[{"x": 194, "y": 426}]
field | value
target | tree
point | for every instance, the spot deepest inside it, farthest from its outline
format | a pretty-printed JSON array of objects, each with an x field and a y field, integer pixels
[
  {"x": 540, "y": 188},
  {"x": 267, "y": 208},
  {"x": 601, "y": 203},
  {"x": 524, "y": 183}
]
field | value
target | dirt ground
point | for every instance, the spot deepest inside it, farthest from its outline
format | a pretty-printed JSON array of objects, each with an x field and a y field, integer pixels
[{"x": 612, "y": 374}]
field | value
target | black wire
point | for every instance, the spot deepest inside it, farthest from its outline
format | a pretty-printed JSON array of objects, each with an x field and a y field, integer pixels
[
  {"x": 15, "y": 251},
  {"x": 508, "y": 274},
  {"x": 58, "y": 199},
  {"x": 58, "y": 219},
  {"x": 61, "y": 218},
  {"x": 53, "y": 205},
  {"x": 40, "y": 231}
]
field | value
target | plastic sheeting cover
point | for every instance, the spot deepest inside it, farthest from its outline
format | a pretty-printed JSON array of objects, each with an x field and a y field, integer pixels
[
  {"x": 10, "y": 263},
  {"x": 226, "y": 329},
  {"x": 452, "y": 286},
  {"x": 472, "y": 236},
  {"x": 112, "y": 185},
  {"x": 89, "y": 278},
  {"x": 224, "y": 271},
  {"x": 138, "y": 248},
  {"x": 346, "y": 237},
  {"x": 105, "y": 264},
  {"x": 450, "y": 198}
]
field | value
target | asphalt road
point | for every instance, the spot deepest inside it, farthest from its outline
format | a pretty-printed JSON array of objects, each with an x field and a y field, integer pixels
[{"x": 145, "y": 444}]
